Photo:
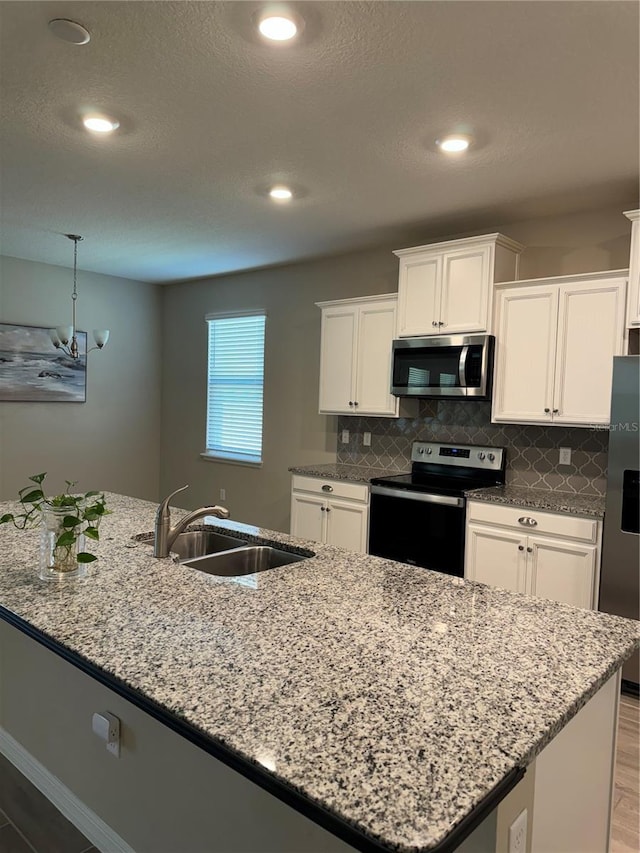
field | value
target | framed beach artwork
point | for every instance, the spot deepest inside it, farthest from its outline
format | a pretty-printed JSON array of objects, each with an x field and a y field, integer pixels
[{"x": 32, "y": 370}]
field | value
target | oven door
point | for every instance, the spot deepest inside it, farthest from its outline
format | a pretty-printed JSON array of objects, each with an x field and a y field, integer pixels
[{"x": 421, "y": 529}]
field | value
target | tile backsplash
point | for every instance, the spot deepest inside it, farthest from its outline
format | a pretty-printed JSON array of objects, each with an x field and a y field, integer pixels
[{"x": 532, "y": 451}]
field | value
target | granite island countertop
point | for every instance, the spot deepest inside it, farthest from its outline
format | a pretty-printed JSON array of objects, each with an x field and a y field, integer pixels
[
  {"x": 590, "y": 506},
  {"x": 393, "y": 698}
]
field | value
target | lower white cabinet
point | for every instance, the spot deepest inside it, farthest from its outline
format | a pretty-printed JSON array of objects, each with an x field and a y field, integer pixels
[
  {"x": 333, "y": 512},
  {"x": 535, "y": 552}
]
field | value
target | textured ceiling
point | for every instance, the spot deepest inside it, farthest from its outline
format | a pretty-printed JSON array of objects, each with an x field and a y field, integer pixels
[{"x": 210, "y": 115}]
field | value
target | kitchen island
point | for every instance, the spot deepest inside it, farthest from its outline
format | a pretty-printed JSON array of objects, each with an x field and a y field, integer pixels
[{"x": 393, "y": 706}]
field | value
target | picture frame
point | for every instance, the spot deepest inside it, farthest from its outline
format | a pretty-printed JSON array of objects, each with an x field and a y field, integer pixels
[{"x": 32, "y": 370}]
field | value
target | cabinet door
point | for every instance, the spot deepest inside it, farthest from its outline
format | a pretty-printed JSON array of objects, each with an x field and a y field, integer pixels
[
  {"x": 590, "y": 332},
  {"x": 419, "y": 295},
  {"x": 562, "y": 571},
  {"x": 466, "y": 281},
  {"x": 347, "y": 525},
  {"x": 337, "y": 359},
  {"x": 495, "y": 557},
  {"x": 376, "y": 330},
  {"x": 526, "y": 322},
  {"x": 633, "y": 314},
  {"x": 308, "y": 517}
]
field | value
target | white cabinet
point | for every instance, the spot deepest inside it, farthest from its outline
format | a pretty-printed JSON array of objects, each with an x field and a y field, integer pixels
[
  {"x": 555, "y": 343},
  {"x": 535, "y": 552},
  {"x": 633, "y": 312},
  {"x": 333, "y": 512},
  {"x": 355, "y": 356},
  {"x": 446, "y": 288}
]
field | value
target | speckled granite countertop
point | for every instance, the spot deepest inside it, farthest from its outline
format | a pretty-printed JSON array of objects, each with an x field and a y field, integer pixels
[
  {"x": 591, "y": 506},
  {"x": 338, "y": 471},
  {"x": 394, "y": 698}
]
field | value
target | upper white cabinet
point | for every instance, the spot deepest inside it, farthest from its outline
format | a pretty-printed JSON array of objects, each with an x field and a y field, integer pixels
[
  {"x": 446, "y": 288},
  {"x": 355, "y": 356},
  {"x": 633, "y": 313},
  {"x": 555, "y": 342}
]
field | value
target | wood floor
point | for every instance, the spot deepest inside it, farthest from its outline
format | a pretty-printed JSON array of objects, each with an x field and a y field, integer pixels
[
  {"x": 625, "y": 830},
  {"x": 30, "y": 824}
]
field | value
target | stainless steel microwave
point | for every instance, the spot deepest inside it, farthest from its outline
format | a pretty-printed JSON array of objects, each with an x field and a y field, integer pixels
[{"x": 457, "y": 366}]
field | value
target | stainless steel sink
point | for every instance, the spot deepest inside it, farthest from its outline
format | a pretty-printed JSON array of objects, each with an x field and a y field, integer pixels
[
  {"x": 197, "y": 543},
  {"x": 244, "y": 561}
]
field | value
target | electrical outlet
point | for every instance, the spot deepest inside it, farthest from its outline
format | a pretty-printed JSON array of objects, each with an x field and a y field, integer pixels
[
  {"x": 518, "y": 834},
  {"x": 223, "y": 494},
  {"x": 366, "y": 439},
  {"x": 345, "y": 436},
  {"x": 565, "y": 456}
]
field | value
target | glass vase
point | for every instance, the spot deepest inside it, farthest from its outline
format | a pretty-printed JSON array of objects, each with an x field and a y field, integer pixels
[{"x": 59, "y": 561}]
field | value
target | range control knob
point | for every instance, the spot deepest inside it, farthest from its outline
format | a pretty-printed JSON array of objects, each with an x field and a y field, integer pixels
[
  {"x": 491, "y": 457},
  {"x": 481, "y": 456},
  {"x": 429, "y": 451}
]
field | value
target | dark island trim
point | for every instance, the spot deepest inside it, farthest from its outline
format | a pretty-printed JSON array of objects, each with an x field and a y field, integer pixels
[{"x": 287, "y": 794}]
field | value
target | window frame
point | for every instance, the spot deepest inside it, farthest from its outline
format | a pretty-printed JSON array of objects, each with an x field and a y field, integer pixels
[{"x": 231, "y": 457}]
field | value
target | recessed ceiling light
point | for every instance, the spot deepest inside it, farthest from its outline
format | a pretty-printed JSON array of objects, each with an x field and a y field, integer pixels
[
  {"x": 280, "y": 193},
  {"x": 100, "y": 124},
  {"x": 455, "y": 143},
  {"x": 70, "y": 31},
  {"x": 277, "y": 27}
]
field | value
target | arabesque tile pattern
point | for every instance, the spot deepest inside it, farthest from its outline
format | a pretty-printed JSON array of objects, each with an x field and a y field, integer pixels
[{"x": 532, "y": 451}]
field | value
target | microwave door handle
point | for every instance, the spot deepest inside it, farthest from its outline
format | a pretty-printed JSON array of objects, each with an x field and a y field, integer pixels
[{"x": 462, "y": 367}]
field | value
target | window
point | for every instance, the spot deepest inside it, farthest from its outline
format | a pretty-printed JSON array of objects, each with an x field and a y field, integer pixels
[{"x": 235, "y": 387}]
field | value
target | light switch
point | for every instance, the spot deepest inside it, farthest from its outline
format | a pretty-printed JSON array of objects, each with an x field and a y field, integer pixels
[
  {"x": 366, "y": 439},
  {"x": 565, "y": 456},
  {"x": 345, "y": 436}
]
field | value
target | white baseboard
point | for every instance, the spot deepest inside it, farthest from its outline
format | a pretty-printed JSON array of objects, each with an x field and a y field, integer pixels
[{"x": 94, "y": 828}]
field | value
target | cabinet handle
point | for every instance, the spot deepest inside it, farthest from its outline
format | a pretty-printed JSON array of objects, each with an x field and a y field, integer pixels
[
  {"x": 528, "y": 521},
  {"x": 442, "y": 323},
  {"x": 328, "y": 509},
  {"x": 356, "y": 403},
  {"x": 556, "y": 411},
  {"x": 546, "y": 410},
  {"x": 323, "y": 508},
  {"x": 529, "y": 550},
  {"x": 327, "y": 488},
  {"x": 434, "y": 323},
  {"x": 350, "y": 403},
  {"x": 520, "y": 547}
]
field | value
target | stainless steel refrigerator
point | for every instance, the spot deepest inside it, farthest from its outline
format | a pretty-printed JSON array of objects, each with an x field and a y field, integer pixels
[{"x": 620, "y": 573}]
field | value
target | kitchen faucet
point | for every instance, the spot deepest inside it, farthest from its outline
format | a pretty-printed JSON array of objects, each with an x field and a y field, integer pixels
[{"x": 166, "y": 535}]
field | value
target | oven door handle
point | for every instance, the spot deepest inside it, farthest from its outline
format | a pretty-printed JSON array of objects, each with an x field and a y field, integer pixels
[{"x": 444, "y": 500}]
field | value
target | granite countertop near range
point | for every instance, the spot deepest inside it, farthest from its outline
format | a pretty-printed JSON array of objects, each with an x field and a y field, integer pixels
[
  {"x": 390, "y": 698},
  {"x": 340, "y": 471},
  {"x": 590, "y": 506}
]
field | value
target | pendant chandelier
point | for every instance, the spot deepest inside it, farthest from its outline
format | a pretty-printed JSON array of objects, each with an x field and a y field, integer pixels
[{"x": 65, "y": 337}]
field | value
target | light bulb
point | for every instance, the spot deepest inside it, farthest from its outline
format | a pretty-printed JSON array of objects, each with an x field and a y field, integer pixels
[
  {"x": 454, "y": 144},
  {"x": 280, "y": 193},
  {"x": 100, "y": 124},
  {"x": 277, "y": 28}
]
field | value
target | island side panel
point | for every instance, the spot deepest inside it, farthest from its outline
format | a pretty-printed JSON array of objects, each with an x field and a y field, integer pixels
[
  {"x": 574, "y": 779},
  {"x": 163, "y": 793}
]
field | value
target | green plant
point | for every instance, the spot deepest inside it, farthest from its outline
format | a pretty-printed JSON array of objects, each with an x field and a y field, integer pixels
[{"x": 80, "y": 514}]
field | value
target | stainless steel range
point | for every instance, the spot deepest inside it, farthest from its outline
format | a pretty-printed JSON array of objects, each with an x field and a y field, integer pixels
[{"x": 419, "y": 518}]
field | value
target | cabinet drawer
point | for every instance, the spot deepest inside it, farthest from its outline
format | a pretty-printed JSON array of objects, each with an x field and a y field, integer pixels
[
  {"x": 331, "y": 488},
  {"x": 549, "y": 523}
]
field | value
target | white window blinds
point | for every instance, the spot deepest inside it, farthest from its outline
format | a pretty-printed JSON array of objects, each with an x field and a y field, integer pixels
[{"x": 235, "y": 387}]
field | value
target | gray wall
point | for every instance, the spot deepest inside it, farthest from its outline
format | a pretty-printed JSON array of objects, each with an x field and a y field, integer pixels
[
  {"x": 294, "y": 432},
  {"x": 113, "y": 440}
]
